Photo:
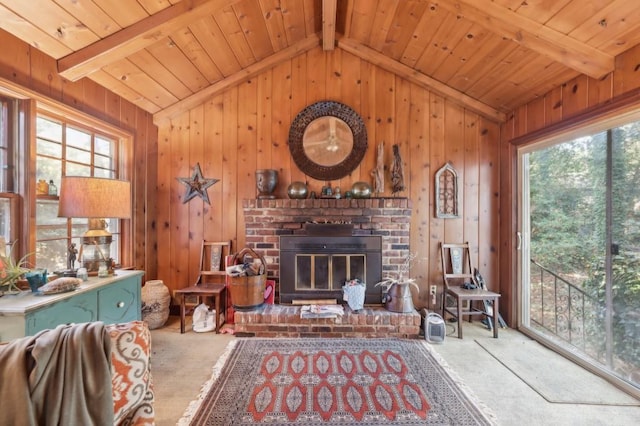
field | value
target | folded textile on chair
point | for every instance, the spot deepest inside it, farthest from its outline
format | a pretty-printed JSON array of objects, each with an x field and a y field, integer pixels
[{"x": 59, "y": 376}]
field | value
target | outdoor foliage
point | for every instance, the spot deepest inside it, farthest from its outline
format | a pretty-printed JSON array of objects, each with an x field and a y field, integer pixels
[{"x": 568, "y": 212}]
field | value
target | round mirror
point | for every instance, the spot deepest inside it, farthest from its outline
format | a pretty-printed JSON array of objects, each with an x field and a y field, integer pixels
[{"x": 327, "y": 140}]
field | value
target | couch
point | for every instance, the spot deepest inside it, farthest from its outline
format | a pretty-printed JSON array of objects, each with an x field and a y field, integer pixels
[{"x": 87, "y": 373}]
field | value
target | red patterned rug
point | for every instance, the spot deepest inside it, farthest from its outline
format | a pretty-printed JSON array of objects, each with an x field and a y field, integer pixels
[{"x": 336, "y": 381}]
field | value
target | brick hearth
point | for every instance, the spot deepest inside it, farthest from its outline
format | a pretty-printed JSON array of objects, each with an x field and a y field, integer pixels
[
  {"x": 285, "y": 321},
  {"x": 267, "y": 220}
]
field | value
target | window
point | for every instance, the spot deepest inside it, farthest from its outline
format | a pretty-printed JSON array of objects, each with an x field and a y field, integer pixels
[
  {"x": 9, "y": 218},
  {"x": 67, "y": 148},
  {"x": 40, "y": 142}
]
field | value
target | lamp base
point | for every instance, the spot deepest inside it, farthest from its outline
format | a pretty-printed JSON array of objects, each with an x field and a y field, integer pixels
[
  {"x": 66, "y": 273},
  {"x": 94, "y": 265},
  {"x": 110, "y": 273},
  {"x": 96, "y": 250}
]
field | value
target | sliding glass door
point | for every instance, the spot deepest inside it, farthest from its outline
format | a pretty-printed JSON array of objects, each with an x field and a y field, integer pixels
[{"x": 580, "y": 248}]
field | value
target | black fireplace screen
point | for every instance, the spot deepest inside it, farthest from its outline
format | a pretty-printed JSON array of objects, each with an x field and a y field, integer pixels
[{"x": 313, "y": 267}]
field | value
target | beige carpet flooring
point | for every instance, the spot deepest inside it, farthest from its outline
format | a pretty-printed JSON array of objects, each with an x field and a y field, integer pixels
[
  {"x": 182, "y": 363},
  {"x": 532, "y": 362}
]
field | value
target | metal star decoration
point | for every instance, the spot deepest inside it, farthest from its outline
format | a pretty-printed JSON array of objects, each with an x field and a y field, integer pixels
[{"x": 197, "y": 185}]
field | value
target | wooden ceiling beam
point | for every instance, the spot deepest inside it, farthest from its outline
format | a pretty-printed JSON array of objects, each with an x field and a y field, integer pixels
[
  {"x": 373, "y": 56},
  {"x": 136, "y": 37},
  {"x": 237, "y": 78},
  {"x": 329, "y": 10},
  {"x": 533, "y": 35}
]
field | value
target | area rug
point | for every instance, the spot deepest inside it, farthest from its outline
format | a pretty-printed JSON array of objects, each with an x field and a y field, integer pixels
[
  {"x": 334, "y": 381},
  {"x": 552, "y": 376}
]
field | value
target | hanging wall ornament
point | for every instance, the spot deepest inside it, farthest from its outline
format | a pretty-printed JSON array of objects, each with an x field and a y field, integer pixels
[
  {"x": 197, "y": 185},
  {"x": 397, "y": 171},
  {"x": 447, "y": 193}
]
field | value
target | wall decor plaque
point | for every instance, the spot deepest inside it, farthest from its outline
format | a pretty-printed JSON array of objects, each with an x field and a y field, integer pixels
[{"x": 447, "y": 193}]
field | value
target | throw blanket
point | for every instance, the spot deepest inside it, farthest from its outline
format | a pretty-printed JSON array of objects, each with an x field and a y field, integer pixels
[{"x": 57, "y": 377}]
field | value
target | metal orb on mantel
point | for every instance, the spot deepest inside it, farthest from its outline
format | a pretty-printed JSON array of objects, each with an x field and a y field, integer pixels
[
  {"x": 298, "y": 190},
  {"x": 361, "y": 190}
]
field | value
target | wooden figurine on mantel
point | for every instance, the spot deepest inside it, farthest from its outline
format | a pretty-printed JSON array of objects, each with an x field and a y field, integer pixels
[
  {"x": 397, "y": 171},
  {"x": 378, "y": 171}
]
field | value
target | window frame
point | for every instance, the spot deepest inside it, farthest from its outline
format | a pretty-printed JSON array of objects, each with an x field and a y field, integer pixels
[
  {"x": 123, "y": 166},
  {"x": 10, "y": 108},
  {"x": 621, "y": 110}
]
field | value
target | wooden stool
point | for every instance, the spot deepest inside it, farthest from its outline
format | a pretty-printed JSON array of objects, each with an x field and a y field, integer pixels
[{"x": 203, "y": 290}]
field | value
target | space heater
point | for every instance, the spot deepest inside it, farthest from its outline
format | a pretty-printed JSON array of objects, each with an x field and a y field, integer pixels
[{"x": 434, "y": 328}]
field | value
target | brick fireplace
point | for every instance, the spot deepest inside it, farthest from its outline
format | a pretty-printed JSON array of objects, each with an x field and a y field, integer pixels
[{"x": 267, "y": 220}]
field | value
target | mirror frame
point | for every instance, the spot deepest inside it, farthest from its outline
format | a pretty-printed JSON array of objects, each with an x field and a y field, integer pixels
[{"x": 323, "y": 109}]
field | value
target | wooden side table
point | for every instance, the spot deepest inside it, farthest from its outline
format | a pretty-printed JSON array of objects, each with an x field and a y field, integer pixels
[{"x": 217, "y": 291}]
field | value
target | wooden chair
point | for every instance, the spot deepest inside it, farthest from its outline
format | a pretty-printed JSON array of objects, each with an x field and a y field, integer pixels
[
  {"x": 459, "y": 282},
  {"x": 211, "y": 280}
]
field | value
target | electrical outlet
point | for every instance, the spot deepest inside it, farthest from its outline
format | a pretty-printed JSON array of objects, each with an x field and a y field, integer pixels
[{"x": 433, "y": 290}]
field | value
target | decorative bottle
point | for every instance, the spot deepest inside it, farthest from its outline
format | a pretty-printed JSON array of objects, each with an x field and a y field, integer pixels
[
  {"x": 53, "y": 189},
  {"x": 42, "y": 187}
]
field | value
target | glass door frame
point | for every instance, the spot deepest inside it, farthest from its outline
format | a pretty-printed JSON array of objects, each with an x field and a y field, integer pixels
[{"x": 575, "y": 130}]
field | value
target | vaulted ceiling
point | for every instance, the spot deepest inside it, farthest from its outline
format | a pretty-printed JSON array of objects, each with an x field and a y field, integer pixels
[{"x": 168, "y": 55}]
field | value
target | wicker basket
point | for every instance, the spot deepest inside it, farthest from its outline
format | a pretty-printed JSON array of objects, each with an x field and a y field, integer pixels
[{"x": 155, "y": 303}]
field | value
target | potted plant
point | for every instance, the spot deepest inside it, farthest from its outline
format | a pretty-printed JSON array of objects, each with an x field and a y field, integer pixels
[{"x": 11, "y": 272}]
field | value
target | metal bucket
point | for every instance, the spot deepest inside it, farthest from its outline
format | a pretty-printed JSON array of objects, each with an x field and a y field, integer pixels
[
  {"x": 398, "y": 298},
  {"x": 247, "y": 292}
]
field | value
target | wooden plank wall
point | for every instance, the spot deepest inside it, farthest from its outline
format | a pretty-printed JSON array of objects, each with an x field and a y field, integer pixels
[
  {"x": 564, "y": 104},
  {"x": 246, "y": 128},
  {"x": 28, "y": 67}
]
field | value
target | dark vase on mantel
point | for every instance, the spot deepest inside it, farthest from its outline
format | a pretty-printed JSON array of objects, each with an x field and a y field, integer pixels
[{"x": 266, "y": 182}]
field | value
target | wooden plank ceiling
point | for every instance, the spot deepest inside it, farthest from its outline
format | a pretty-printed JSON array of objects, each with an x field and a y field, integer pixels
[{"x": 169, "y": 55}]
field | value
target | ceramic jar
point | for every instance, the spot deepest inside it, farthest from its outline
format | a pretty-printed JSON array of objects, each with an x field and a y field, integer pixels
[
  {"x": 155, "y": 303},
  {"x": 266, "y": 181}
]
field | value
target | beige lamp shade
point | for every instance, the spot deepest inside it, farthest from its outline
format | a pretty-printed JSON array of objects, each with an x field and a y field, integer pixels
[{"x": 91, "y": 197}]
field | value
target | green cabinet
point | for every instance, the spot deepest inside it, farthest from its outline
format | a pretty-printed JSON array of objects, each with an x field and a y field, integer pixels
[
  {"x": 110, "y": 300},
  {"x": 80, "y": 308},
  {"x": 119, "y": 302}
]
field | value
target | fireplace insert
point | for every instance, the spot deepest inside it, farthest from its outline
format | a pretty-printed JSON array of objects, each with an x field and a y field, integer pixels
[{"x": 316, "y": 267}]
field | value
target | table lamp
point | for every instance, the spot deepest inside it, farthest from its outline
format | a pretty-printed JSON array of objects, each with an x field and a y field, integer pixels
[{"x": 95, "y": 199}]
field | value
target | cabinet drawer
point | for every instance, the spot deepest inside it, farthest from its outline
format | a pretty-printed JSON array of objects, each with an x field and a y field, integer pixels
[
  {"x": 119, "y": 302},
  {"x": 80, "y": 308}
]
